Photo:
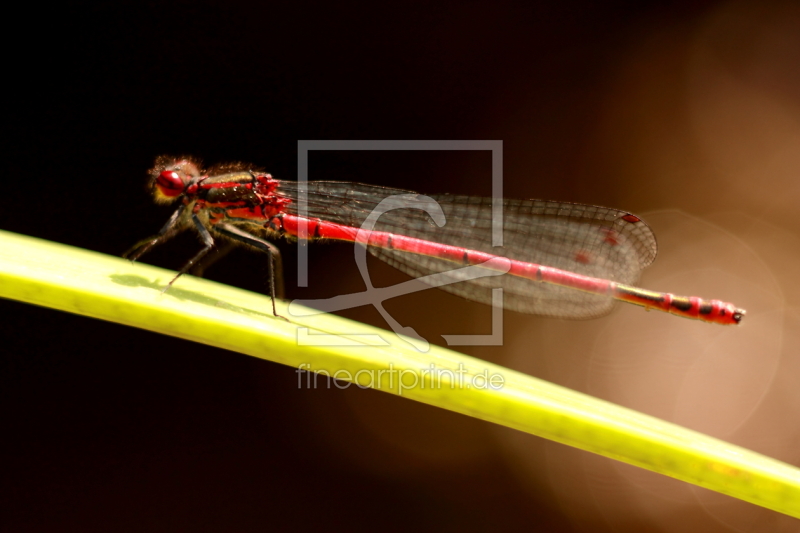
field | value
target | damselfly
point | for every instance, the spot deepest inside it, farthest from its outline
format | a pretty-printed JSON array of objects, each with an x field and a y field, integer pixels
[{"x": 561, "y": 259}]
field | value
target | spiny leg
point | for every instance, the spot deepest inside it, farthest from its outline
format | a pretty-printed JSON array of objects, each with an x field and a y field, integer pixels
[
  {"x": 208, "y": 240},
  {"x": 275, "y": 263},
  {"x": 169, "y": 229},
  {"x": 211, "y": 259}
]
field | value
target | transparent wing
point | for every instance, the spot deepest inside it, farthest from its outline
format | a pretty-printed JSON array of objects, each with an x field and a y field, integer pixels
[{"x": 589, "y": 240}]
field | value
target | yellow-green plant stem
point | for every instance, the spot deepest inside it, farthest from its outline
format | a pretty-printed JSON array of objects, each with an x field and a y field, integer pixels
[{"x": 110, "y": 288}]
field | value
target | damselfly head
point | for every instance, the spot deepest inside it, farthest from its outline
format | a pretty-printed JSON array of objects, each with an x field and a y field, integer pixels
[{"x": 171, "y": 175}]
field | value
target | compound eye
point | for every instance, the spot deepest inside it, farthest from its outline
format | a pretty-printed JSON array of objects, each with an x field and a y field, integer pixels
[{"x": 170, "y": 183}]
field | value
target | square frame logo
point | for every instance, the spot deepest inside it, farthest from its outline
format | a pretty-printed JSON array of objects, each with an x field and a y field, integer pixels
[{"x": 375, "y": 296}]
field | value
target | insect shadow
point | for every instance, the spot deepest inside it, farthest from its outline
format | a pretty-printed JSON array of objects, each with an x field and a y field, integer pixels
[{"x": 129, "y": 280}]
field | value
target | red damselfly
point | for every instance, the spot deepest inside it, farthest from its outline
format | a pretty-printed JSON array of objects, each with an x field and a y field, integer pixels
[{"x": 562, "y": 259}]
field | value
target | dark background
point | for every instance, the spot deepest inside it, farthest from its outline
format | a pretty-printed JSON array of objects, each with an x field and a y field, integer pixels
[{"x": 110, "y": 428}]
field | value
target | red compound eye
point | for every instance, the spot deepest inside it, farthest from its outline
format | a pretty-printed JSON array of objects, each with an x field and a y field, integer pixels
[{"x": 170, "y": 183}]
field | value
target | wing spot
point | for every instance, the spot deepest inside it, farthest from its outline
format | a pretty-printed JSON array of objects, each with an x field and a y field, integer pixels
[
  {"x": 583, "y": 257},
  {"x": 611, "y": 237}
]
